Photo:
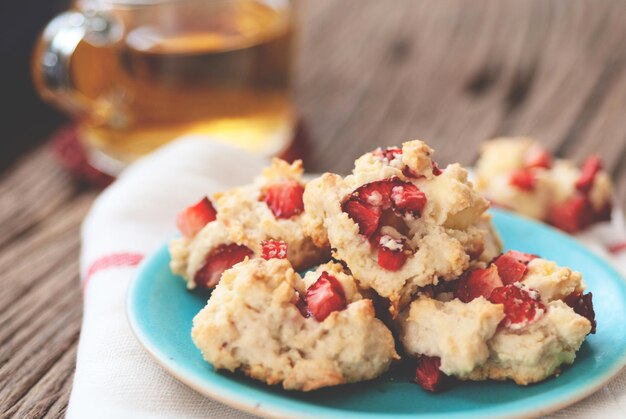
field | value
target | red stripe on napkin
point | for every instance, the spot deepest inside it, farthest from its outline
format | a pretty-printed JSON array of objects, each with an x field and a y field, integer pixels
[
  {"x": 112, "y": 260},
  {"x": 617, "y": 248}
]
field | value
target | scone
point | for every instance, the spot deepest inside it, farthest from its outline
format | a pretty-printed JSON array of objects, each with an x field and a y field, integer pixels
[
  {"x": 519, "y": 318},
  {"x": 519, "y": 174},
  {"x": 216, "y": 237},
  {"x": 398, "y": 221},
  {"x": 262, "y": 319}
]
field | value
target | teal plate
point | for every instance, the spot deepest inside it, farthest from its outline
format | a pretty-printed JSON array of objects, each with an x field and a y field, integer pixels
[{"x": 160, "y": 310}]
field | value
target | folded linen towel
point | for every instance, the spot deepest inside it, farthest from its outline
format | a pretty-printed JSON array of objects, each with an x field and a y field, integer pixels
[{"x": 115, "y": 377}]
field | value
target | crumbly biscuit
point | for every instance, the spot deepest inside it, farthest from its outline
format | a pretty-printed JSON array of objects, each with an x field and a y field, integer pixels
[
  {"x": 536, "y": 351},
  {"x": 493, "y": 243},
  {"x": 250, "y": 221},
  {"x": 553, "y": 184},
  {"x": 443, "y": 238},
  {"x": 243, "y": 218},
  {"x": 454, "y": 331},
  {"x": 251, "y": 323},
  {"x": 188, "y": 254},
  {"x": 552, "y": 281},
  {"x": 473, "y": 343}
]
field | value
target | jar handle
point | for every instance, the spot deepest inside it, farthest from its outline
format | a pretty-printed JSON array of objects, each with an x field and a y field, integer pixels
[{"x": 53, "y": 54}]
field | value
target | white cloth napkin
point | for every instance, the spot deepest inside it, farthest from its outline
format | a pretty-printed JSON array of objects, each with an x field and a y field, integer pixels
[{"x": 115, "y": 377}]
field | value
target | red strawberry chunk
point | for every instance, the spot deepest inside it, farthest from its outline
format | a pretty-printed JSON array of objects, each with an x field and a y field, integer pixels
[
  {"x": 510, "y": 269},
  {"x": 376, "y": 193},
  {"x": 192, "y": 219},
  {"x": 365, "y": 215},
  {"x": 390, "y": 260},
  {"x": 436, "y": 170},
  {"x": 220, "y": 259},
  {"x": 285, "y": 198},
  {"x": 406, "y": 171},
  {"x": 388, "y": 154},
  {"x": 301, "y": 306},
  {"x": 366, "y": 204},
  {"x": 391, "y": 253},
  {"x": 588, "y": 173},
  {"x": 583, "y": 305},
  {"x": 274, "y": 249},
  {"x": 572, "y": 215},
  {"x": 538, "y": 157},
  {"x": 407, "y": 198},
  {"x": 325, "y": 296},
  {"x": 521, "y": 256},
  {"x": 521, "y": 306},
  {"x": 523, "y": 179},
  {"x": 428, "y": 375},
  {"x": 476, "y": 283}
]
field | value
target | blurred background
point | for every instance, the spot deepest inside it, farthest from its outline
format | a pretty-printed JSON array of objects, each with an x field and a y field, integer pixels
[
  {"x": 25, "y": 118},
  {"x": 368, "y": 74}
]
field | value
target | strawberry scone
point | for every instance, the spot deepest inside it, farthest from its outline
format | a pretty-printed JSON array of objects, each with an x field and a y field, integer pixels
[
  {"x": 519, "y": 174},
  {"x": 265, "y": 320},
  {"x": 520, "y": 317},
  {"x": 220, "y": 232},
  {"x": 398, "y": 221}
]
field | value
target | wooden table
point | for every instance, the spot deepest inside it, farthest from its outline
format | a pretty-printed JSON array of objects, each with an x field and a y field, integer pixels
[{"x": 370, "y": 73}]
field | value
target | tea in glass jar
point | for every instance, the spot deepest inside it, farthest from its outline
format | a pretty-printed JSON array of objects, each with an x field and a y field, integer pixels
[{"x": 141, "y": 74}]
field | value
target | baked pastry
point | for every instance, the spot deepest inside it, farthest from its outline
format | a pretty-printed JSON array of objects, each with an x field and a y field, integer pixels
[
  {"x": 217, "y": 234},
  {"x": 262, "y": 319},
  {"x": 406, "y": 234},
  {"x": 519, "y": 174},
  {"x": 398, "y": 221},
  {"x": 519, "y": 318}
]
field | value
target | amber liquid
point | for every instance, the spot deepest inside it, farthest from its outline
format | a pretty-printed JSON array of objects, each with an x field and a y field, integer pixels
[{"x": 223, "y": 72}]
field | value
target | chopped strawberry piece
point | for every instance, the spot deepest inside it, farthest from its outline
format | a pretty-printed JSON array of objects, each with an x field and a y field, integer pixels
[
  {"x": 522, "y": 257},
  {"x": 285, "y": 198},
  {"x": 521, "y": 306},
  {"x": 391, "y": 253},
  {"x": 510, "y": 268},
  {"x": 583, "y": 305},
  {"x": 406, "y": 171},
  {"x": 428, "y": 375},
  {"x": 390, "y": 259},
  {"x": 274, "y": 249},
  {"x": 523, "y": 179},
  {"x": 407, "y": 198},
  {"x": 365, "y": 215},
  {"x": 588, "y": 173},
  {"x": 376, "y": 193},
  {"x": 192, "y": 219},
  {"x": 572, "y": 215},
  {"x": 325, "y": 296},
  {"x": 388, "y": 154},
  {"x": 301, "y": 306},
  {"x": 538, "y": 157},
  {"x": 436, "y": 170},
  {"x": 220, "y": 259},
  {"x": 366, "y": 204},
  {"x": 476, "y": 283}
]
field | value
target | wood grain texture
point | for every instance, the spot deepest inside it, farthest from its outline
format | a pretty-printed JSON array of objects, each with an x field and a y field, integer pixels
[{"x": 369, "y": 73}]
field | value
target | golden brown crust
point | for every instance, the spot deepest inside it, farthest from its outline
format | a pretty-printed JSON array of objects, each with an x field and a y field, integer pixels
[
  {"x": 448, "y": 231},
  {"x": 500, "y": 157},
  {"x": 472, "y": 346},
  {"x": 251, "y": 323},
  {"x": 243, "y": 218}
]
